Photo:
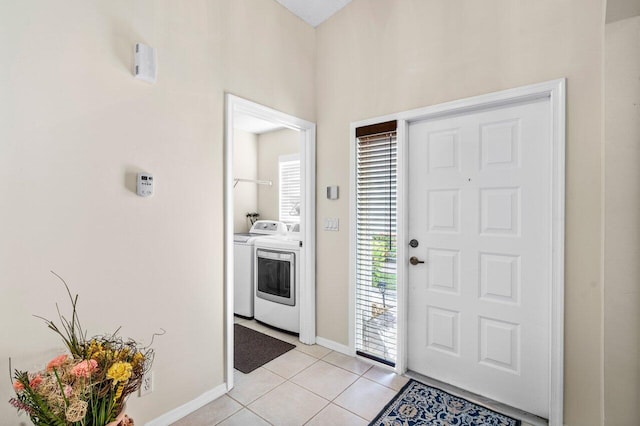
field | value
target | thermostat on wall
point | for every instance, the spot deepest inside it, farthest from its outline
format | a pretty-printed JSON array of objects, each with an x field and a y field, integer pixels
[{"x": 145, "y": 185}]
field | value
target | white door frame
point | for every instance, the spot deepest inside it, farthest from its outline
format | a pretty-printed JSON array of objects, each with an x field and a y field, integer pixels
[
  {"x": 236, "y": 105},
  {"x": 553, "y": 90}
]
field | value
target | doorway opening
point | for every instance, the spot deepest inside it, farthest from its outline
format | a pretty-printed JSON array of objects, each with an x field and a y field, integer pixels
[{"x": 246, "y": 120}]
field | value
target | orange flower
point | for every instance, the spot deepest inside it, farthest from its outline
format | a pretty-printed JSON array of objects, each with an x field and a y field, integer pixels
[
  {"x": 35, "y": 381},
  {"x": 85, "y": 368},
  {"x": 18, "y": 386},
  {"x": 56, "y": 362}
]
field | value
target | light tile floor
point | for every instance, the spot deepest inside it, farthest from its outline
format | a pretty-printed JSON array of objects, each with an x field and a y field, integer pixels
[{"x": 309, "y": 385}]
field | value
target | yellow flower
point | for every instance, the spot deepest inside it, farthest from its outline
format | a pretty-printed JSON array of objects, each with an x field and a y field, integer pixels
[
  {"x": 119, "y": 372},
  {"x": 124, "y": 353},
  {"x": 138, "y": 359},
  {"x": 94, "y": 347},
  {"x": 118, "y": 392},
  {"x": 98, "y": 355}
]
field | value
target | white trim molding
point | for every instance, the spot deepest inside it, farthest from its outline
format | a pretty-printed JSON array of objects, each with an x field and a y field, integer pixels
[
  {"x": 335, "y": 346},
  {"x": 554, "y": 91},
  {"x": 234, "y": 106},
  {"x": 185, "y": 409}
]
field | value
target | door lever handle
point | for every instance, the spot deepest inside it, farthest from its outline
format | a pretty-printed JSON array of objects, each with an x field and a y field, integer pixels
[{"x": 414, "y": 260}]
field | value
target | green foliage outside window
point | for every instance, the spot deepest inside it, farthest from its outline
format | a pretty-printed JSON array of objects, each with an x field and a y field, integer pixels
[{"x": 383, "y": 262}]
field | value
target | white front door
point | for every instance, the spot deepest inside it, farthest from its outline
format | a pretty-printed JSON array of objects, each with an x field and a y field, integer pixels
[{"x": 480, "y": 209}]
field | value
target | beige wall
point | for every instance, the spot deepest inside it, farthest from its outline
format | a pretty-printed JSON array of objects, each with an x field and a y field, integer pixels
[
  {"x": 622, "y": 227},
  {"x": 245, "y": 166},
  {"x": 70, "y": 109},
  {"x": 380, "y": 57},
  {"x": 75, "y": 127},
  {"x": 622, "y": 9},
  {"x": 271, "y": 146}
]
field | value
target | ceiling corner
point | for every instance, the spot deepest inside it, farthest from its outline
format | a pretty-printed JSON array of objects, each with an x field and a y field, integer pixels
[{"x": 314, "y": 12}]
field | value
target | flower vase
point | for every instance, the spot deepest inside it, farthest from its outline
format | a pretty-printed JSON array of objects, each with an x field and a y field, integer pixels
[{"x": 120, "y": 417}]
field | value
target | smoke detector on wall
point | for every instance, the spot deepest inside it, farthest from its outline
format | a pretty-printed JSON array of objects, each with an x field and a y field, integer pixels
[{"x": 145, "y": 65}]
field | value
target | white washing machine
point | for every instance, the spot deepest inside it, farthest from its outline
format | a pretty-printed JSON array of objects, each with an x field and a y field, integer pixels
[
  {"x": 277, "y": 281},
  {"x": 243, "y": 248}
]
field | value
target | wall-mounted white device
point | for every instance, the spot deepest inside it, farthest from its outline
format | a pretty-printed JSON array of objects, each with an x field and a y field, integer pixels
[
  {"x": 332, "y": 192},
  {"x": 145, "y": 63},
  {"x": 144, "y": 184}
]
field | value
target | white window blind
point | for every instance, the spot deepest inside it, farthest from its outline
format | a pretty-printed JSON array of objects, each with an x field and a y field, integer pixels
[
  {"x": 289, "y": 198},
  {"x": 376, "y": 301}
]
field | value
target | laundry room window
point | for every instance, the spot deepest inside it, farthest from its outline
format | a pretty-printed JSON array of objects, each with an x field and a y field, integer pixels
[
  {"x": 289, "y": 198},
  {"x": 375, "y": 251}
]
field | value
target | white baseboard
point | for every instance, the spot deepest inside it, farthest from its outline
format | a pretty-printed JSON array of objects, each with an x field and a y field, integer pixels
[
  {"x": 188, "y": 408},
  {"x": 215, "y": 393},
  {"x": 334, "y": 346}
]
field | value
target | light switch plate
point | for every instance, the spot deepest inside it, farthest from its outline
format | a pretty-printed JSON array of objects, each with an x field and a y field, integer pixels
[{"x": 331, "y": 224}]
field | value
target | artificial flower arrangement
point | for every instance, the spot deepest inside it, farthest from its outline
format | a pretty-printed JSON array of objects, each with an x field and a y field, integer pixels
[{"x": 87, "y": 387}]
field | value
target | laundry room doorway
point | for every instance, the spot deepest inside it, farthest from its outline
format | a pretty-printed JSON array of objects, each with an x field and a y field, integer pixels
[{"x": 282, "y": 178}]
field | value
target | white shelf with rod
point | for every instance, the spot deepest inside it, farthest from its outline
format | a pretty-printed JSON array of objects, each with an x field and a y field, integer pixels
[{"x": 256, "y": 181}]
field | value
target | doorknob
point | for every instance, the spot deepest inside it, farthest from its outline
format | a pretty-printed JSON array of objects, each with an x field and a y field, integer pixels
[{"x": 414, "y": 260}]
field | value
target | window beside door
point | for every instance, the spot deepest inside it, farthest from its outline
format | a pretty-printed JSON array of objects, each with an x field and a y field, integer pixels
[
  {"x": 289, "y": 195},
  {"x": 376, "y": 279}
]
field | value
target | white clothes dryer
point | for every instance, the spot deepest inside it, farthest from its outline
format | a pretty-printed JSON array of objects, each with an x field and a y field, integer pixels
[
  {"x": 243, "y": 255},
  {"x": 277, "y": 281}
]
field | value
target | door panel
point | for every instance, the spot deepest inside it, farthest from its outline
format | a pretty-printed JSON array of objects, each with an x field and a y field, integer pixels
[{"x": 480, "y": 206}]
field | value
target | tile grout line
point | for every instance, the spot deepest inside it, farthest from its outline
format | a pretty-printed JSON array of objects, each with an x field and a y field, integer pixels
[
  {"x": 247, "y": 406},
  {"x": 316, "y": 360},
  {"x": 360, "y": 376},
  {"x": 332, "y": 401},
  {"x": 329, "y": 402}
]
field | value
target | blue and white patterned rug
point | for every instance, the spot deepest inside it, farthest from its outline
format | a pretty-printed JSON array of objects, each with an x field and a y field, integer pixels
[{"x": 419, "y": 404}]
